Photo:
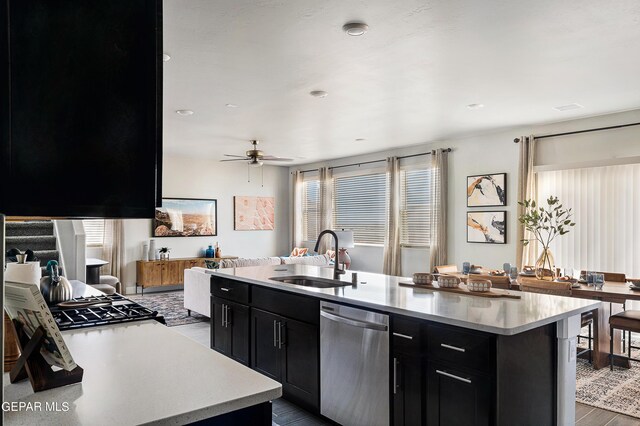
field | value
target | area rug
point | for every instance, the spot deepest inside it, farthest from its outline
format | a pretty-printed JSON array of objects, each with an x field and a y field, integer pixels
[
  {"x": 170, "y": 305},
  {"x": 616, "y": 390}
]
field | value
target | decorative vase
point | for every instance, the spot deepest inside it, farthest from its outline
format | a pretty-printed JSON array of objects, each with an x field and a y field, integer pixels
[
  {"x": 145, "y": 252},
  {"x": 546, "y": 266},
  {"x": 152, "y": 249},
  {"x": 209, "y": 252},
  {"x": 164, "y": 255},
  {"x": 344, "y": 258}
]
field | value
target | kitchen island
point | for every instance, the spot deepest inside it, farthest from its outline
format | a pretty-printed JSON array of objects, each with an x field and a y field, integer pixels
[
  {"x": 493, "y": 361},
  {"x": 143, "y": 372}
]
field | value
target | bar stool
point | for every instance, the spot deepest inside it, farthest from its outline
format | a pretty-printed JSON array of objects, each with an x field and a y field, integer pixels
[{"x": 627, "y": 321}]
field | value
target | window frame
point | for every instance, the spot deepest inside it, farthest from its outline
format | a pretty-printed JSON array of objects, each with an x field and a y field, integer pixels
[
  {"x": 406, "y": 168},
  {"x": 87, "y": 242}
]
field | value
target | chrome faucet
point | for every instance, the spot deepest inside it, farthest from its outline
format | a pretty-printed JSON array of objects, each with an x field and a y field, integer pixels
[{"x": 336, "y": 265}]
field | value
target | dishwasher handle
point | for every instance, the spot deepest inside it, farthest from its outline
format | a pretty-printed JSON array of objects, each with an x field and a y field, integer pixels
[{"x": 354, "y": 322}]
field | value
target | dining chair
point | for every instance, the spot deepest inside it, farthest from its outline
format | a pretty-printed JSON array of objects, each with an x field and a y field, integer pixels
[
  {"x": 627, "y": 322},
  {"x": 497, "y": 281},
  {"x": 446, "y": 269},
  {"x": 533, "y": 285}
]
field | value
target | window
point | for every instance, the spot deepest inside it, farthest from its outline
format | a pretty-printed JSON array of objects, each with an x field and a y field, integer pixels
[
  {"x": 310, "y": 210},
  {"x": 606, "y": 206},
  {"x": 94, "y": 232},
  {"x": 415, "y": 207},
  {"x": 360, "y": 204}
]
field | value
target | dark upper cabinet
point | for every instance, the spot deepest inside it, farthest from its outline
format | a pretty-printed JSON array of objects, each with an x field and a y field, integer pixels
[{"x": 80, "y": 108}]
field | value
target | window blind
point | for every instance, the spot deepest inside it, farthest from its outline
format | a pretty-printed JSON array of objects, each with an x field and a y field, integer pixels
[
  {"x": 606, "y": 207},
  {"x": 310, "y": 210},
  {"x": 360, "y": 204},
  {"x": 94, "y": 232},
  {"x": 415, "y": 207}
]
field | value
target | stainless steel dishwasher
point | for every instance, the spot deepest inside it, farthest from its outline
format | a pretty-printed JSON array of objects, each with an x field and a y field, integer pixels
[{"x": 354, "y": 365}]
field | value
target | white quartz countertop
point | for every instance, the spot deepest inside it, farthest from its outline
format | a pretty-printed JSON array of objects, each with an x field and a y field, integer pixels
[
  {"x": 382, "y": 292},
  {"x": 143, "y": 372}
]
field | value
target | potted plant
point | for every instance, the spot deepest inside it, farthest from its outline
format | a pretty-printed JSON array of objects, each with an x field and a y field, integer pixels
[
  {"x": 164, "y": 253},
  {"x": 546, "y": 224}
]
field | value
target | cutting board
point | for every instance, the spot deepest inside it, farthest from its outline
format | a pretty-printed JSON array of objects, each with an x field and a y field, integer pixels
[{"x": 494, "y": 293}]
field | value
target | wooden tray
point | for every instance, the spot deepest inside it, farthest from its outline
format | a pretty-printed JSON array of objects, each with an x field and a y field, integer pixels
[{"x": 493, "y": 293}]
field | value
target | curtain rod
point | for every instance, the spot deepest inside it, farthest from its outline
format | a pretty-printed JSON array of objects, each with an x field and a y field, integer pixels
[
  {"x": 377, "y": 161},
  {"x": 553, "y": 135}
]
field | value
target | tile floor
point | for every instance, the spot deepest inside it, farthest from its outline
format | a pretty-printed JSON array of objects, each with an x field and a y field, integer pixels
[{"x": 288, "y": 414}]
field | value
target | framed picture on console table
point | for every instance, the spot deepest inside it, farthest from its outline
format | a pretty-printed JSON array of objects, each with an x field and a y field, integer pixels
[
  {"x": 488, "y": 190},
  {"x": 186, "y": 217},
  {"x": 487, "y": 227}
]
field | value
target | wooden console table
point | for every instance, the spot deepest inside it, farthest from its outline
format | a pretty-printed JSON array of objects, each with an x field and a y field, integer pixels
[{"x": 155, "y": 273}]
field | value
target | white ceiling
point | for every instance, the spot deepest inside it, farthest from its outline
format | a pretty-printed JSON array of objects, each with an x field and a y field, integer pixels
[{"x": 407, "y": 81}]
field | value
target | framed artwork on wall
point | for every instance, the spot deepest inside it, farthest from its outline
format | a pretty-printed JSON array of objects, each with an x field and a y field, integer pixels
[
  {"x": 254, "y": 213},
  {"x": 488, "y": 190},
  {"x": 487, "y": 227},
  {"x": 186, "y": 217}
]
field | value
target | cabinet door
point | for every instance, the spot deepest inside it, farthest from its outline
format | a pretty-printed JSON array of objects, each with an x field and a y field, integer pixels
[
  {"x": 456, "y": 397},
  {"x": 220, "y": 335},
  {"x": 237, "y": 321},
  {"x": 265, "y": 355},
  {"x": 300, "y": 375},
  {"x": 407, "y": 390},
  {"x": 170, "y": 272},
  {"x": 150, "y": 274}
]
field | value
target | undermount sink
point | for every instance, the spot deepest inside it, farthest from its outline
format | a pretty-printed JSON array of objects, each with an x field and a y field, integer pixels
[{"x": 310, "y": 281}]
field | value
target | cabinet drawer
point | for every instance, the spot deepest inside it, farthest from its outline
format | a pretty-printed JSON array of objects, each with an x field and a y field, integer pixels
[
  {"x": 230, "y": 289},
  {"x": 289, "y": 305},
  {"x": 459, "y": 347},
  {"x": 407, "y": 335}
]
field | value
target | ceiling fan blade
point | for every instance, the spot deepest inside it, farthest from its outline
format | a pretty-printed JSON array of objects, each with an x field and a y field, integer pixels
[
  {"x": 273, "y": 158},
  {"x": 231, "y": 155},
  {"x": 237, "y": 159}
]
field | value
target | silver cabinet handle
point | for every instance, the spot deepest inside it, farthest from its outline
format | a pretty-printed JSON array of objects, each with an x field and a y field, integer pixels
[
  {"x": 404, "y": 336},
  {"x": 453, "y": 348},
  {"x": 395, "y": 376},
  {"x": 226, "y": 316},
  {"x": 279, "y": 335},
  {"x": 453, "y": 376},
  {"x": 224, "y": 289},
  {"x": 222, "y": 316},
  {"x": 275, "y": 341}
]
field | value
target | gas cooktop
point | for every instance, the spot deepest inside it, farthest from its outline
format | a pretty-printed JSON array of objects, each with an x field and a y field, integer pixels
[{"x": 94, "y": 311}]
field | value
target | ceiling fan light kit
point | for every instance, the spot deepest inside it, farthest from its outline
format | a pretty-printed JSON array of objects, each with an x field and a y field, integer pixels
[{"x": 254, "y": 157}]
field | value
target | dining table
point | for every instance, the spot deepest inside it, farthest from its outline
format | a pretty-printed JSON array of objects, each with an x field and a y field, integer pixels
[{"x": 613, "y": 296}]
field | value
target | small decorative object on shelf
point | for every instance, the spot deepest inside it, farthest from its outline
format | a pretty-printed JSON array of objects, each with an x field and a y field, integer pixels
[
  {"x": 209, "y": 252},
  {"x": 152, "y": 250},
  {"x": 164, "y": 253},
  {"x": 545, "y": 224},
  {"x": 145, "y": 252},
  {"x": 218, "y": 252}
]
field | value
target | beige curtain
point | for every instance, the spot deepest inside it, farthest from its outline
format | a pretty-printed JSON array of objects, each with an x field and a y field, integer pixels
[
  {"x": 326, "y": 207},
  {"x": 113, "y": 248},
  {"x": 392, "y": 264},
  {"x": 526, "y": 255},
  {"x": 296, "y": 224},
  {"x": 438, "y": 208}
]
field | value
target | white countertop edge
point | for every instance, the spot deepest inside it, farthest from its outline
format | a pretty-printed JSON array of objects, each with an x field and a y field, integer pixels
[{"x": 292, "y": 288}]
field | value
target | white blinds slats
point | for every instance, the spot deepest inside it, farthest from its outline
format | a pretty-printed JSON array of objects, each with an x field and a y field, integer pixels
[
  {"x": 414, "y": 207},
  {"x": 310, "y": 210},
  {"x": 606, "y": 206},
  {"x": 360, "y": 204},
  {"x": 94, "y": 232}
]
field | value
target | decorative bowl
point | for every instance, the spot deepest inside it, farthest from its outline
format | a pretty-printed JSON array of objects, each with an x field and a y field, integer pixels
[
  {"x": 475, "y": 269},
  {"x": 448, "y": 281},
  {"x": 422, "y": 278},
  {"x": 498, "y": 273},
  {"x": 478, "y": 285}
]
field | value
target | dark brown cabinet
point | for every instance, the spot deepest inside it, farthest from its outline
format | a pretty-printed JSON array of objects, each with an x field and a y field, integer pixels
[
  {"x": 407, "y": 372},
  {"x": 230, "y": 329},
  {"x": 287, "y": 351},
  {"x": 457, "y": 397}
]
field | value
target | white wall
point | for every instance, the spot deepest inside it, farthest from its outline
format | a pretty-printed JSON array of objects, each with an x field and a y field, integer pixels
[
  {"x": 196, "y": 178},
  {"x": 496, "y": 153}
]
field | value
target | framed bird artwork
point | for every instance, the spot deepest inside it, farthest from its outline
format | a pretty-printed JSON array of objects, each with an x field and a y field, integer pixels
[
  {"x": 487, "y": 227},
  {"x": 488, "y": 190}
]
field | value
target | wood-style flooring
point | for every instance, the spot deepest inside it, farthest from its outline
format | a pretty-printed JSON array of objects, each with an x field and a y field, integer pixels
[{"x": 288, "y": 414}]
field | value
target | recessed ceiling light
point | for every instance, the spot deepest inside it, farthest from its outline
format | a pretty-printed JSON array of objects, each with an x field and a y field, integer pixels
[
  {"x": 360, "y": 140},
  {"x": 475, "y": 106},
  {"x": 231, "y": 105},
  {"x": 568, "y": 107},
  {"x": 318, "y": 93},
  {"x": 165, "y": 57},
  {"x": 355, "y": 28},
  {"x": 184, "y": 112}
]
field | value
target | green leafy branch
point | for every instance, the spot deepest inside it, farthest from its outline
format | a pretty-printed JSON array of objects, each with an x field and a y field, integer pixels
[{"x": 545, "y": 223}]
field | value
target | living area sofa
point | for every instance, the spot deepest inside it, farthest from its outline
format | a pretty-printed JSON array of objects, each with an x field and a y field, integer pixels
[{"x": 197, "y": 281}]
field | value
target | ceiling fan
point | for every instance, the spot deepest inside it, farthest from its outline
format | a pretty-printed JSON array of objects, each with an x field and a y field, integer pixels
[{"x": 255, "y": 157}]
